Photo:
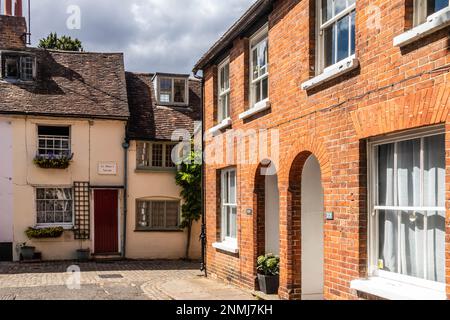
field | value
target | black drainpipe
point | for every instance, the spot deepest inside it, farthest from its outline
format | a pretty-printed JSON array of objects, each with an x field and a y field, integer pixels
[
  {"x": 126, "y": 146},
  {"x": 203, "y": 232}
]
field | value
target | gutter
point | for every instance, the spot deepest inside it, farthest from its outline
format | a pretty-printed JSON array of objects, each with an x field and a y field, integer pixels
[{"x": 203, "y": 232}]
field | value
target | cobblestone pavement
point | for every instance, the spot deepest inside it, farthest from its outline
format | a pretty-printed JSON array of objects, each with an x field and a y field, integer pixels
[{"x": 129, "y": 280}]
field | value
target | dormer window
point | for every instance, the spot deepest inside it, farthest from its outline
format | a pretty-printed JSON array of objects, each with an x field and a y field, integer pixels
[
  {"x": 17, "y": 66},
  {"x": 172, "y": 90}
]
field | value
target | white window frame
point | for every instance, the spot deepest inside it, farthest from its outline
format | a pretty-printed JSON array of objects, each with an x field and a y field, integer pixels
[
  {"x": 373, "y": 223},
  {"x": 421, "y": 12},
  {"x": 66, "y": 151},
  {"x": 223, "y": 94},
  {"x": 255, "y": 41},
  {"x": 172, "y": 96},
  {"x": 225, "y": 185},
  {"x": 150, "y": 201},
  {"x": 320, "y": 28},
  {"x": 149, "y": 148},
  {"x": 57, "y": 224}
]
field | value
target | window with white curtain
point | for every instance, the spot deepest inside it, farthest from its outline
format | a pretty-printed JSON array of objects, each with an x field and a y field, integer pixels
[
  {"x": 336, "y": 32},
  {"x": 425, "y": 8},
  {"x": 224, "y": 91},
  {"x": 229, "y": 206},
  {"x": 408, "y": 206},
  {"x": 259, "y": 67}
]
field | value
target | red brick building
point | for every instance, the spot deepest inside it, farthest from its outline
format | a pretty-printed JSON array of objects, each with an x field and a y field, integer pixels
[{"x": 356, "y": 95}]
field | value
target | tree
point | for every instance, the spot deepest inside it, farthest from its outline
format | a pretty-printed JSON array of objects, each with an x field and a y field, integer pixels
[
  {"x": 189, "y": 178},
  {"x": 62, "y": 43}
]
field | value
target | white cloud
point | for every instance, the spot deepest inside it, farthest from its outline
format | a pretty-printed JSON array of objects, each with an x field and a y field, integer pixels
[{"x": 155, "y": 35}]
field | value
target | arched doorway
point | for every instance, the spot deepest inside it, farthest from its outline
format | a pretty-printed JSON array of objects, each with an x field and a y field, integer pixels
[
  {"x": 312, "y": 231},
  {"x": 267, "y": 203}
]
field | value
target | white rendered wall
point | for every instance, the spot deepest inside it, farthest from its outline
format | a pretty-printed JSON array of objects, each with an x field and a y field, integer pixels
[
  {"x": 6, "y": 183},
  {"x": 272, "y": 215},
  {"x": 312, "y": 231}
]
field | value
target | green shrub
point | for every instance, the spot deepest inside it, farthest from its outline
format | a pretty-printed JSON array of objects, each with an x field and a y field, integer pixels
[
  {"x": 269, "y": 265},
  {"x": 55, "y": 232}
]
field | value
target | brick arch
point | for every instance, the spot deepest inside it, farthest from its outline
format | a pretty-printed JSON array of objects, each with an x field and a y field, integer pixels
[
  {"x": 290, "y": 211},
  {"x": 420, "y": 108},
  {"x": 259, "y": 211},
  {"x": 311, "y": 145}
]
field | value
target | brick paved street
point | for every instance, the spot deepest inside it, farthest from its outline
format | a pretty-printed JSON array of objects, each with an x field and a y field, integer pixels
[{"x": 125, "y": 280}]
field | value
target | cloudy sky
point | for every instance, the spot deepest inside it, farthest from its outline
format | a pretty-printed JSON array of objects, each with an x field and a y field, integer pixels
[{"x": 155, "y": 35}]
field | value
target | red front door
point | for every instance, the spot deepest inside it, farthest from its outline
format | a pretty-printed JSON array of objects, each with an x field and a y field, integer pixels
[{"x": 106, "y": 221}]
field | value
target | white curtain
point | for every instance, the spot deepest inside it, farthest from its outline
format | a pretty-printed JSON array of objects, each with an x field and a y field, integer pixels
[{"x": 413, "y": 243}]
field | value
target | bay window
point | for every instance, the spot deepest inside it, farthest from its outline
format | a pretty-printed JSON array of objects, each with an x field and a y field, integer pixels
[
  {"x": 259, "y": 67},
  {"x": 224, "y": 91},
  {"x": 336, "y": 32},
  {"x": 407, "y": 237}
]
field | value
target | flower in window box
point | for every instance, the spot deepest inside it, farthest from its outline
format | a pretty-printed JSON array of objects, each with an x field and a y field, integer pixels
[{"x": 53, "y": 161}]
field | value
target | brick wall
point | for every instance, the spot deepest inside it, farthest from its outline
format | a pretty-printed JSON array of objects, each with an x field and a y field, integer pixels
[
  {"x": 12, "y": 32},
  {"x": 393, "y": 90}
]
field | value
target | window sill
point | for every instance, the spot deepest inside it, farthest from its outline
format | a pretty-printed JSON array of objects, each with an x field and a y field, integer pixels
[
  {"x": 257, "y": 108},
  {"x": 66, "y": 227},
  {"x": 226, "y": 246},
  {"x": 396, "y": 290},
  {"x": 159, "y": 231},
  {"x": 434, "y": 23},
  {"x": 223, "y": 125},
  {"x": 332, "y": 72},
  {"x": 16, "y": 81},
  {"x": 157, "y": 170}
]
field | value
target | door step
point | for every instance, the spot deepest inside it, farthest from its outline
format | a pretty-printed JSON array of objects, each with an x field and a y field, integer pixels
[{"x": 110, "y": 257}]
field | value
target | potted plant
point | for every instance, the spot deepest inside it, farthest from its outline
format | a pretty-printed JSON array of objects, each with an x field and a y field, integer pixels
[
  {"x": 27, "y": 252},
  {"x": 269, "y": 273},
  {"x": 83, "y": 255}
]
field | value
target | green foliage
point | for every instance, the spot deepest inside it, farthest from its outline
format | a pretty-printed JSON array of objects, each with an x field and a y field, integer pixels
[
  {"x": 52, "y": 161},
  {"x": 45, "y": 233},
  {"x": 62, "y": 43},
  {"x": 269, "y": 265},
  {"x": 189, "y": 178}
]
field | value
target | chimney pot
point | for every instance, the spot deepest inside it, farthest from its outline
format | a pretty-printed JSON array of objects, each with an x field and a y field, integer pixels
[
  {"x": 18, "y": 8},
  {"x": 8, "y": 7}
]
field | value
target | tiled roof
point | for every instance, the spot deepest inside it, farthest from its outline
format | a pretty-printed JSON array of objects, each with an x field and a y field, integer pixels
[
  {"x": 148, "y": 121},
  {"x": 70, "y": 84}
]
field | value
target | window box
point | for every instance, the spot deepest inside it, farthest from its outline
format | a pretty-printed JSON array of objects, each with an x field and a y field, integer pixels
[
  {"x": 435, "y": 22},
  {"x": 44, "y": 233},
  {"x": 257, "y": 108},
  {"x": 332, "y": 72},
  {"x": 223, "y": 125},
  {"x": 61, "y": 162}
]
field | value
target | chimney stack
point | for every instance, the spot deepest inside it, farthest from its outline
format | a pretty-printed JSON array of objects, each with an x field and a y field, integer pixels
[{"x": 13, "y": 26}]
